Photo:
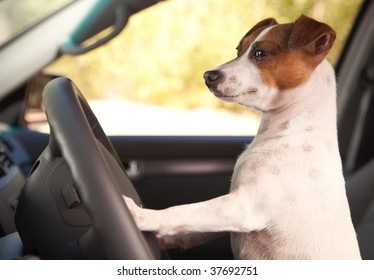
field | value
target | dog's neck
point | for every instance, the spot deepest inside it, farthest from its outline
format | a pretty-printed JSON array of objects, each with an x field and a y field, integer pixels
[{"x": 310, "y": 108}]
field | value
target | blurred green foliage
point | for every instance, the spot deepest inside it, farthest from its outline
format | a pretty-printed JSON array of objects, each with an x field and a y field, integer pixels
[{"x": 162, "y": 54}]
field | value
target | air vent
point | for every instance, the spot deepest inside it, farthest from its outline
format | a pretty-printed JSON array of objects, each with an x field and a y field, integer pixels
[{"x": 5, "y": 162}]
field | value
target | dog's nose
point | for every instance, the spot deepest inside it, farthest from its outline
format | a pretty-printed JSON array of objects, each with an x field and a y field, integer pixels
[{"x": 212, "y": 77}]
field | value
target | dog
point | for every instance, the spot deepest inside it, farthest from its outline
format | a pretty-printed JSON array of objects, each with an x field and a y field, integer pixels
[{"x": 287, "y": 197}]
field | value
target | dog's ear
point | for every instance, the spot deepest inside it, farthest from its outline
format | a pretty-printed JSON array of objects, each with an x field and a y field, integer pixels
[{"x": 315, "y": 37}]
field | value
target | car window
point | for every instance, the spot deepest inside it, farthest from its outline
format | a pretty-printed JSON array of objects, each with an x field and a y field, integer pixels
[
  {"x": 17, "y": 16},
  {"x": 149, "y": 80}
]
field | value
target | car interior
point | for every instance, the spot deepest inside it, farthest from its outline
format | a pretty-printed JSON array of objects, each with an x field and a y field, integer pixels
[{"x": 60, "y": 193}]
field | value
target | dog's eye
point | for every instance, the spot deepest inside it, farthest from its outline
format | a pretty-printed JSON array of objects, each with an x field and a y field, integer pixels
[{"x": 258, "y": 54}]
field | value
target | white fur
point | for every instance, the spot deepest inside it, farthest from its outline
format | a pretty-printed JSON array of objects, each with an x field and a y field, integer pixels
[{"x": 287, "y": 197}]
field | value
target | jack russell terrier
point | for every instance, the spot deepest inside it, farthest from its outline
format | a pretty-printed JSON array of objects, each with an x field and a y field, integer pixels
[{"x": 287, "y": 197}]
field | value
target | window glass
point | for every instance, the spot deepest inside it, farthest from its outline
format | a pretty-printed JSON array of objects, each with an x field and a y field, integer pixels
[
  {"x": 16, "y": 16},
  {"x": 149, "y": 80}
]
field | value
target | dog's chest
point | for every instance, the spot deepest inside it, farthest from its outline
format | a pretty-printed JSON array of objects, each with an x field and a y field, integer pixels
[{"x": 254, "y": 164}]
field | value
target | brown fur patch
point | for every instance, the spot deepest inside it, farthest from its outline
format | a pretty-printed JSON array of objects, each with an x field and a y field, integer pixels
[
  {"x": 252, "y": 34},
  {"x": 281, "y": 68},
  {"x": 293, "y": 51},
  {"x": 247, "y": 41}
]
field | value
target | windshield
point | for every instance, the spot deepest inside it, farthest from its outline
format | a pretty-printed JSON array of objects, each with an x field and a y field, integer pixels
[
  {"x": 152, "y": 73},
  {"x": 17, "y": 16}
]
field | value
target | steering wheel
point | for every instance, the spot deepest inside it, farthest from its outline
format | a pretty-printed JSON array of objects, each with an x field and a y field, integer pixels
[{"x": 97, "y": 173}]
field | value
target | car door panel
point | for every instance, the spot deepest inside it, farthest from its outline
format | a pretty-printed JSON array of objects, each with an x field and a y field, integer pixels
[{"x": 179, "y": 170}]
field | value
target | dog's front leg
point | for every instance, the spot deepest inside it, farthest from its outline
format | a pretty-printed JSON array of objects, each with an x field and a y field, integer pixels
[{"x": 228, "y": 213}]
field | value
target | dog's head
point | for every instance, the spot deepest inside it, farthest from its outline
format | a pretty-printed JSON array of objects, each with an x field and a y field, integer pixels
[{"x": 271, "y": 58}]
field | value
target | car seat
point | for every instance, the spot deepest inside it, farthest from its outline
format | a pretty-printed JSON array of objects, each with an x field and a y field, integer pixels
[{"x": 360, "y": 193}]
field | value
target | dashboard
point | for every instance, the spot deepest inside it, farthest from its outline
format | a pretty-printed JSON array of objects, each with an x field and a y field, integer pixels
[{"x": 15, "y": 164}]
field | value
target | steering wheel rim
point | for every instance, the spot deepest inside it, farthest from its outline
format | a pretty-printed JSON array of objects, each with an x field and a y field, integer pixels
[{"x": 78, "y": 136}]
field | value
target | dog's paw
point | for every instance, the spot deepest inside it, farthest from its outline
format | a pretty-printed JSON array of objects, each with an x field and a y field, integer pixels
[
  {"x": 130, "y": 204},
  {"x": 135, "y": 211}
]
